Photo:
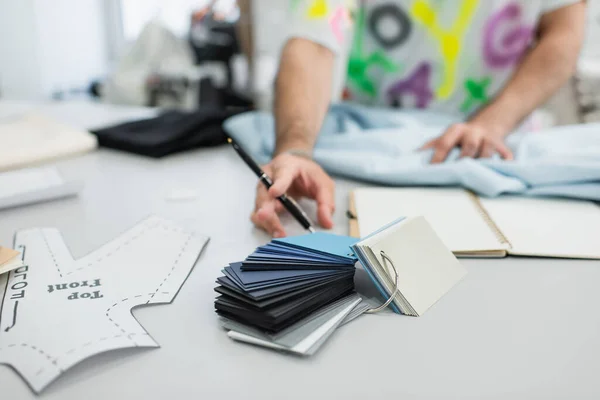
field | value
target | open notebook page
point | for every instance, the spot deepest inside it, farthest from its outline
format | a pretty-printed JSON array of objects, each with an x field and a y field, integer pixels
[
  {"x": 547, "y": 227},
  {"x": 451, "y": 212}
]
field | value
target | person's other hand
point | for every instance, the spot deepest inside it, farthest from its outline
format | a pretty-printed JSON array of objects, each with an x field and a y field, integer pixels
[
  {"x": 298, "y": 177},
  {"x": 474, "y": 140}
]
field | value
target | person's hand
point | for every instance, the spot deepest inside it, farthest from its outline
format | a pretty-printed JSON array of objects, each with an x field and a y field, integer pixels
[
  {"x": 297, "y": 177},
  {"x": 475, "y": 141}
]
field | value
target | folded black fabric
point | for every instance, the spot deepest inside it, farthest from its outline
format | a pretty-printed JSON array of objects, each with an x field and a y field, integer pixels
[{"x": 170, "y": 132}]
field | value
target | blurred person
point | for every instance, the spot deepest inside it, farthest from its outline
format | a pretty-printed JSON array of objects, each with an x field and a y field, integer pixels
[{"x": 492, "y": 62}]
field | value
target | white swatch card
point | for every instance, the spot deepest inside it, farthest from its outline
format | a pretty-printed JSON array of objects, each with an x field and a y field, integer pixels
[
  {"x": 57, "y": 311},
  {"x": 411, "y": 250}
]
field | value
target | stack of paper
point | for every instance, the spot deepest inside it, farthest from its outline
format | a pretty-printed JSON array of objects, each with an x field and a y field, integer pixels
[
  {"x": 9, "y": 260},
  {"x": 290, "y": 294},
  {"x": 34, "y": 185},
  {"x": 32, "y": 138}
]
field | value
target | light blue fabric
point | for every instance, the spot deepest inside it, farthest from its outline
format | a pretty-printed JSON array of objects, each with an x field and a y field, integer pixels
[{"x": 381, "y": 146}]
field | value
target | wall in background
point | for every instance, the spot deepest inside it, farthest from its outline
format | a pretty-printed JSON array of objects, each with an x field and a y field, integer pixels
[
  {"x": 19, "y": 66},
  {"x": 175, "y": 14},
  {"x": 591, "y": 48},
  {"x": 127, "y": 18},
  {"x": 72, "y": 43},
  {"x": 48, "y": 46}
]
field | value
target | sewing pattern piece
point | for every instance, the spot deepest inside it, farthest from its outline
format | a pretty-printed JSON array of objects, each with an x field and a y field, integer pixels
[{"x": 56, "y": 311}]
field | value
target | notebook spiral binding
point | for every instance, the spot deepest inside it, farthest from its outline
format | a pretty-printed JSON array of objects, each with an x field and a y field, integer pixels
[
  {"x": 488, "y": 220},
  {"x": 386, "y": 259}
]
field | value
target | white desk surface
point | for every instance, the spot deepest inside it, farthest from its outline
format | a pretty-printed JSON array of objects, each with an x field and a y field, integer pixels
[{"x": 513, "y": 329}]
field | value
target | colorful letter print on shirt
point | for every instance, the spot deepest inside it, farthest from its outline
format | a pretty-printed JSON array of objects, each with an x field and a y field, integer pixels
[
  {"x": 476, "y": 93},
  {"x": 450, "y": 39},
  {"x": 359, "y": 64},
  {"x": 446, "y": 55},
  {"x": 318, "y": 9},
  {"x": 416, "y": 85},
  {"x": 506, "y": 37}
]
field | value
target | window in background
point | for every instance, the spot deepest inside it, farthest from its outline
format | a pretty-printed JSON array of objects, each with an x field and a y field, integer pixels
[{"x": 175, "y": 14}]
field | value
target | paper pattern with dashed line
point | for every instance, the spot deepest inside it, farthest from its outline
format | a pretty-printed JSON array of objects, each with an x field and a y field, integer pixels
[{"x": 56, "y": 311}]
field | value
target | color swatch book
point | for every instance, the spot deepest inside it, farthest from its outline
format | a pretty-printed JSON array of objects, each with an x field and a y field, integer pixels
[{"x": 290, "y": 294}]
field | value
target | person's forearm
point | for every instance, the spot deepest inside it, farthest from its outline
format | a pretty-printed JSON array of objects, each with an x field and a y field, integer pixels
[
  {"x": 244, "y": 32},
  {"x": 302, "y": 94},
  {"x": 543, "y": 71}
]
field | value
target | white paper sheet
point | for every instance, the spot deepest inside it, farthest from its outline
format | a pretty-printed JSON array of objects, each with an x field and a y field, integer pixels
[
  {"x": 57, "y": 311},
  {"x": 28, "y": 180},
  {"x": 34, "y": 185}
]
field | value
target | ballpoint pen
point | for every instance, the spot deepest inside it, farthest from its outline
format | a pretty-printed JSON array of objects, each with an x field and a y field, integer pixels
[{"x": 288, "y": 202}]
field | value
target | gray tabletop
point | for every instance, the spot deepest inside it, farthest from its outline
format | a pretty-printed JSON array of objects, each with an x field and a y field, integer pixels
[{"x": 515, "y": 328}]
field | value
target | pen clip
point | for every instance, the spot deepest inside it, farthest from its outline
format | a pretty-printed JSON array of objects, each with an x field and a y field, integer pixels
[{"x": 265, "y": 178}]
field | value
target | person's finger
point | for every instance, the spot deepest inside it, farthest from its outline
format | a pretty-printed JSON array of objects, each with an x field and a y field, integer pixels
[
  {"x": 264, "y": 205},
  {"x": 283, "y": 176},
  {"x": 429, "y": 145},
  {"x": 487, "y": 150},
  {"x": 470, "y": 145},
  {"x": 266, "y": 217},
  {"x": 446, "y": 143},
  {"x": 325, "y": 197},
  {"x": 263, "y": 196},
  {"x": 279, "y": 207},
  {"x": 504, "y": 151}
]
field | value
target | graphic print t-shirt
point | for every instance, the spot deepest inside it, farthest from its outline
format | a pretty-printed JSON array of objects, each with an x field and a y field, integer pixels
[{"x": 448, "y": 55}]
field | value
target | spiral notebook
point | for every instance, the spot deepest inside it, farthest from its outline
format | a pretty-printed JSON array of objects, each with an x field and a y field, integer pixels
[{"x": 472, "y": 226}]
